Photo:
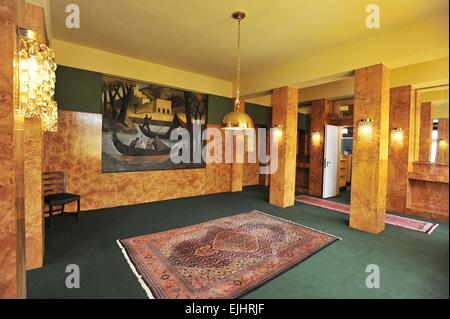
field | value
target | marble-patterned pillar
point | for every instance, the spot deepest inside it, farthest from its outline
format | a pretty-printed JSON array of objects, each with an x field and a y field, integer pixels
[
  {"x": 285, "y": 113},
  {"x": 401, "y": 116},
  {"x": 320, "y": 109},
  {"x": 12, "y": 229},
  {"x": 369, "y": 171},
  {"x": 442, "y": 145},
  {"x": 425, "y": 130}
]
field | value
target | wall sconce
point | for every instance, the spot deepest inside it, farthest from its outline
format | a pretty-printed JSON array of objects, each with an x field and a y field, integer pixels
[
  {"x": 397, "y": 135},
  {"x": 443, "y": 143},
  {"x": 315, "y": 137},
  {"x": 278, "y": 131},
  {"x": 37, "y": 80},
  {"x": 365, "y": 130}
]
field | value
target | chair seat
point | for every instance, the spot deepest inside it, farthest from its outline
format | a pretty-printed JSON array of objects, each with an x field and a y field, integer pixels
[{"x": 61, "y": 199}]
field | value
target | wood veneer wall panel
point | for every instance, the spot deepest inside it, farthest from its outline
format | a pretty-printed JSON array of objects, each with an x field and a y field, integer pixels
[
  {"x": 218, "y": 175},
  {"x": 12, "y": 229},
  {"x": 76, "y": 149},
  {"x": 400, "y": 114},
  {"x": 32, "y": 18},
  {"x": 34, "y": 220},
  {"x": 428, "y": 199},
  {"x": 428, "y": 190},
  {"x": 320, "y": 109}
]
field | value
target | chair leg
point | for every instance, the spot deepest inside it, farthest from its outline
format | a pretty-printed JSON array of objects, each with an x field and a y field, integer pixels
[
  {"x": 78, "y": 209},
  {"x": 62, "y": 210},
  {"x": 50, "y": 214}
]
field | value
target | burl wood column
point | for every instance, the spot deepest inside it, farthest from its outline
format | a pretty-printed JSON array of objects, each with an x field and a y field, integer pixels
[
  {"x": 12, "y": 230},
  {"x": 319, "y": 112},
  {"x": 442, "y": 146},
  {"x": 401, "y": 115},
  {"x": 369, "y": 172},
  {"x": 285, "y": 113},
  {"x": 34, "y": 218},
  {"x": 32, "y": 17},
  {"x": 425, "y": 130}
]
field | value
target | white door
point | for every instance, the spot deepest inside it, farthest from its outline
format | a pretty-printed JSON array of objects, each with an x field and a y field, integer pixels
[{"x": 330, "y": 161}]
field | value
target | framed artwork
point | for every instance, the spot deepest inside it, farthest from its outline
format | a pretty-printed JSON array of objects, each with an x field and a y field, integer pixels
[{"x": 138, "y": 119}]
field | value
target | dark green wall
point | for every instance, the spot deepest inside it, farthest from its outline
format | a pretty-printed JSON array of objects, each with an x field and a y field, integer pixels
[
  {"x": 218, "y": 106},
  {"x": 304, "y": 121},
  {"x": 260, "y": 114},
  {"x": 78, "y": 90}
]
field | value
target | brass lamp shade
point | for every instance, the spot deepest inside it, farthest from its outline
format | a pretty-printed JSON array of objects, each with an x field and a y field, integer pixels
[{"x": 237, "y": 121}]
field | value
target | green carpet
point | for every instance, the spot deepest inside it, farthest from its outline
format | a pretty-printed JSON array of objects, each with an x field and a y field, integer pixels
[
  {"x": 342, "y": 198},
  {"x": 412, "y": 264}
]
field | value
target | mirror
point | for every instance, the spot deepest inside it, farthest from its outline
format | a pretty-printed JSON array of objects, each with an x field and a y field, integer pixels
[
  {"x": 431, "y": 118},
  {"x": 343, "y": 107}
]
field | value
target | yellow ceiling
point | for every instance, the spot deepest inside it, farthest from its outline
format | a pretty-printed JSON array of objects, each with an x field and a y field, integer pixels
[{"x": 199, "y": 35}]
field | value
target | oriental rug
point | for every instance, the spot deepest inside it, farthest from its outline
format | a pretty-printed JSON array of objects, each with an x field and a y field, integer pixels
[
  {"x": 409, "y": 223},
  {"x": 223, "y": 258}
]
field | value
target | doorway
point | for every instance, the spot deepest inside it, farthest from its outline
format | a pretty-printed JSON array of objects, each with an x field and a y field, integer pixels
[{"x": 337, "y": 168}]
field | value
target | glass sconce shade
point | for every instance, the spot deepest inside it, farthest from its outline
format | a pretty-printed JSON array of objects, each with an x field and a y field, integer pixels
[
  {"x": 365, "y": 130},
  {"x": 37, "y": 82},
  {"x": 278, "y": 132},
  {"x": 397, "y": 136},
  {"x": 315, "y": 137}
]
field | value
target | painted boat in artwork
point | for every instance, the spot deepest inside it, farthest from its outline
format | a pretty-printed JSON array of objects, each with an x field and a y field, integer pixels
[
  {"x": 158, "y": 148},
  {"x": 176, "y": 123}
]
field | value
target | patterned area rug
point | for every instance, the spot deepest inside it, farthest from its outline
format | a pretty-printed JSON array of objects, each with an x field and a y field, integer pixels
[
  {"x": 222, "y": 258},
  {"x": 409, "y": 223}
]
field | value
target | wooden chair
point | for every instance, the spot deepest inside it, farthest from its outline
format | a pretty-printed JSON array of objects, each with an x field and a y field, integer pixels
[{"x": 54, "y": 185}]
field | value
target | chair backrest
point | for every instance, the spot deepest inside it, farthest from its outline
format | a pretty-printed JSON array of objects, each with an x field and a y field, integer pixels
[{"x": 54, "y": 183}]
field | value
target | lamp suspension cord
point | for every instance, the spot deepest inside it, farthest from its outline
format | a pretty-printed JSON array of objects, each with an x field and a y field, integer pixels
[{"x": 238, "y": 68}]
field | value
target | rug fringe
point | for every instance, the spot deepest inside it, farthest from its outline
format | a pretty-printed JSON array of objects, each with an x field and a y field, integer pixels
[
  {"x": 138, "y": 276},
  {"x": 432, "y": 229}
]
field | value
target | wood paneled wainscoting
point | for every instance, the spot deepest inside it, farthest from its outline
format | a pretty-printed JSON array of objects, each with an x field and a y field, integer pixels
[
  {"x": 427, "y": 193},
  {"x": 76, "y": 149}
]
